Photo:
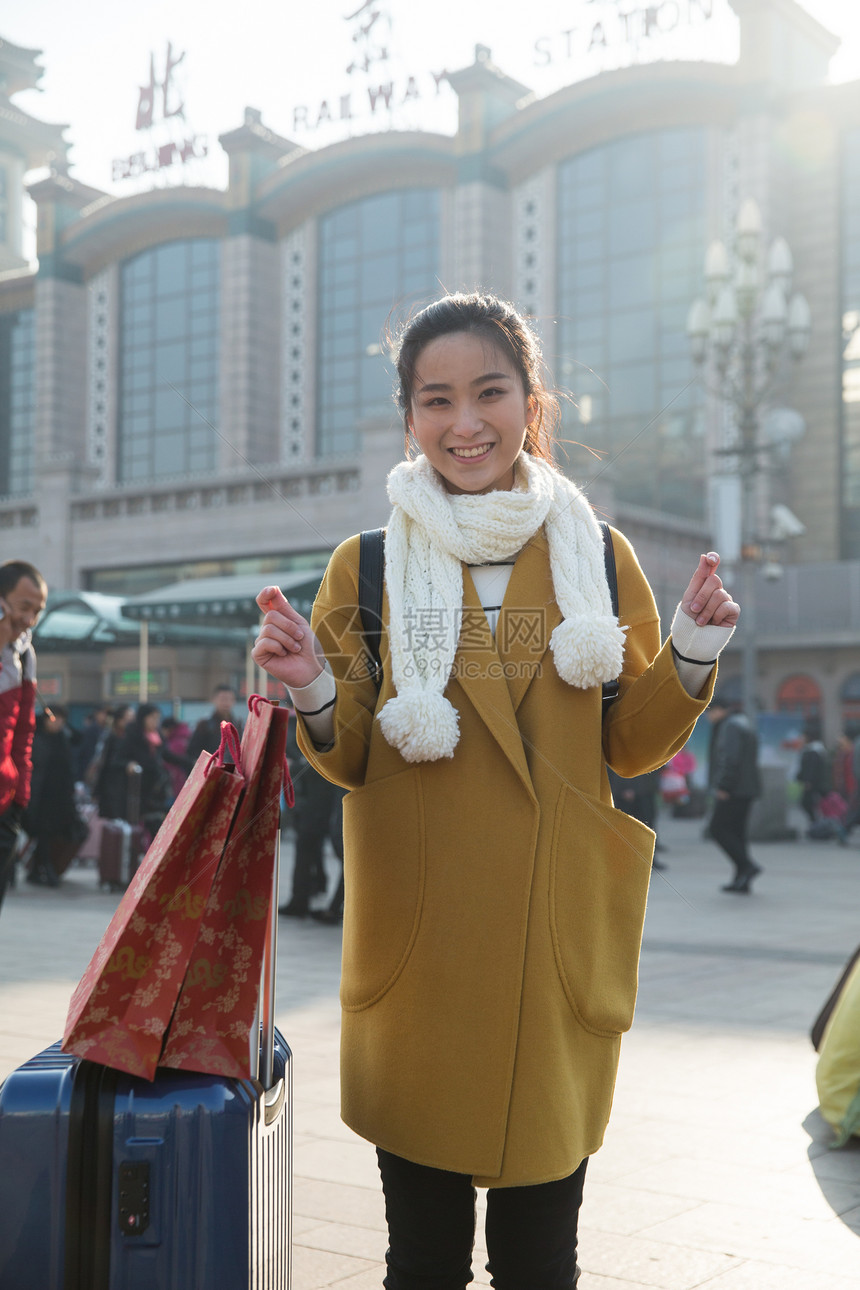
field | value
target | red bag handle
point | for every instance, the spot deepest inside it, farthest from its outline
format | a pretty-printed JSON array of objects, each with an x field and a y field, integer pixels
[
  {"x": 254, "y": 703},
  {"x": 229, "y": 743}
]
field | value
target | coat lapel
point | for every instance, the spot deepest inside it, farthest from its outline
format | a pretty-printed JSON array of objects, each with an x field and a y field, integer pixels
[
  {"x": 528, "y": 618},
  {"x": 479, "y": 671}
]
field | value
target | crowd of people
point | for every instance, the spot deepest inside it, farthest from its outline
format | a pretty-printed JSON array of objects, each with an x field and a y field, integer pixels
[{"x": 129, "y": 762}]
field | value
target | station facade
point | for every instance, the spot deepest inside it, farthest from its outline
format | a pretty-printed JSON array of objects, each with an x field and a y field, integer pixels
[{"x": 194, "y": 382}]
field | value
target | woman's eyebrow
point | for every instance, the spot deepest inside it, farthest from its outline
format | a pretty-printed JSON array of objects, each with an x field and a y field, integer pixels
[{"x": 479, "y": 380}]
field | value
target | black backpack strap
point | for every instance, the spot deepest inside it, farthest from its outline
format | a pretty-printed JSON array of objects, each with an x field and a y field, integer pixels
[
  {"x": 610, "y": 688},
  {"x": 371, "y": 572}
]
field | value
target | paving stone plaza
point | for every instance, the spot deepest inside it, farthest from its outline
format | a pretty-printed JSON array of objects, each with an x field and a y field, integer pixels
[{"x": 716, "y": 1171}]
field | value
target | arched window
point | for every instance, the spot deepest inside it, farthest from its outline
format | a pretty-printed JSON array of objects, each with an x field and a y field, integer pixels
[
  {"x": 377, "y": 257},
  {"x": 168, "y": 389},
  {"x": 631, "y": 245},
  {"x": 799, "y": 695}
]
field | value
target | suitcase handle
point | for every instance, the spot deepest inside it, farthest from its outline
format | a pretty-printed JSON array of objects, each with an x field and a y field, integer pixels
[
  {"x": 262, "y": 1038},
  {"x": 267, "y": 980}
]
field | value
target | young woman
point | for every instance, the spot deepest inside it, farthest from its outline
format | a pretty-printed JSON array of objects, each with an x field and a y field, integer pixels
[{"x": 494, "y": 896}]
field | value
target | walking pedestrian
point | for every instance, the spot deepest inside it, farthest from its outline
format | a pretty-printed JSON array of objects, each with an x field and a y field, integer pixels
[
  {"x": 734, "y": 778},
  {"x": 23, "y": 593},
  {"x": 494, "y": 898},
  {"x": 51, "y": 817},
  {"x": 311, "y": 819},
  {"x": 93, "y": 735},
  {"x": 638, "y": 797},
  {"x": 109, "y": 771}
]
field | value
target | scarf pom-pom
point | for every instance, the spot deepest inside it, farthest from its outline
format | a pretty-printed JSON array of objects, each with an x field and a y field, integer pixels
[
  {"x": 421, "y": 724},
  {"x": 588, "y": 650}
]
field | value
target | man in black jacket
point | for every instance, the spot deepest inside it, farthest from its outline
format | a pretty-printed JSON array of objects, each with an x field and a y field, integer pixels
[
  {"x": 734, "y": 778},
  {"x": 207, "y": 733}
]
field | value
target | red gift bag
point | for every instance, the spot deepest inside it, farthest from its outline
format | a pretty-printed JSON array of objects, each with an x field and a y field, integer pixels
[
  {"x": 123, "y": 1004},
  {"x": 218, "y": 1000}
]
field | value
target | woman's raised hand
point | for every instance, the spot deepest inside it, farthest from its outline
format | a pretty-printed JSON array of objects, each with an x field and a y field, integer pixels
[
  {"x": 706, "y": 599},
  {"x": 286, "y": 647}
]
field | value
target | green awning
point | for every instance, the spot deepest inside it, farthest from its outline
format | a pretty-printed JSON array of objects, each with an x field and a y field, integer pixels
[{"x": 226, "y": 601}]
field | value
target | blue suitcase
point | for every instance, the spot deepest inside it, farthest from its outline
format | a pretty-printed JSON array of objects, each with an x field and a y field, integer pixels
[{"x": 109, "y": 1182}]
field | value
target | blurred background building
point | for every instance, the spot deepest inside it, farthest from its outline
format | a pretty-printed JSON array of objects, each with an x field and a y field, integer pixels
[{"x": 194, "y": 383}]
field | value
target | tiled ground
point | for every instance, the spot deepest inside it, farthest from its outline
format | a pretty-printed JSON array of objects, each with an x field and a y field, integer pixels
[{"x": 715, "y": 1171}]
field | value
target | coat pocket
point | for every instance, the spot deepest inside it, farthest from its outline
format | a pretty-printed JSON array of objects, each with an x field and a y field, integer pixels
[
  {"x": 601, "y": 867},
  {"x": 384, "y": 840}
]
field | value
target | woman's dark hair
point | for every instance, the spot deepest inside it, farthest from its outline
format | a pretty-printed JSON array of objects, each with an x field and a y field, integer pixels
[{"x": 497, "y": 322}]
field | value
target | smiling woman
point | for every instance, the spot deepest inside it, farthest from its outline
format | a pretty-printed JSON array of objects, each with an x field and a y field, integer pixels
[{"x": 494, "y": 896}]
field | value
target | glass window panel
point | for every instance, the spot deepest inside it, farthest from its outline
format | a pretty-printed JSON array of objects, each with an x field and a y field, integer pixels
[
  {"x": 414, "y": 285},
  {"x": 677, "y": 178},
  {"x": 678, "y": 144},
  {"x": 171, "y": 269},
  {"x": 200, "y": 396},
  {"x": 590, "y": 166},
  {"x": 379, "y": 278},
  {"x": 632, "y": 389},
  {"x": 169, "y": 363},
  {"x": 414, "y": 203},
  {"x": 646, "y": 207},
  {"x": 17, "y": 402},
  {"x": 586, "y": 276},
  {"x": 590, "y": 248},
  {"x": 204, "y": 253},
  {"x": 377, "y": 253},
  {"x": 632, "y": 227},
  {"x": 169, "y": 410},
  {"x": 632, "y": 336},
  {"x": 631, "y": 282},
  {"x": 587, "y": 196},
  {"x": 631, "y": 169},
  {"x": 587, "y": 223},
  {"x": 169, "y": 337},
  {"x": 379, "y": 217},
  {"x": 418, "y": 261},
  {"x": 415, "y": 234}
]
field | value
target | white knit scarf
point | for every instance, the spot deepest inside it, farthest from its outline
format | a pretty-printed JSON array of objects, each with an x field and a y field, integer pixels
[{"x": 431, "y": 534}]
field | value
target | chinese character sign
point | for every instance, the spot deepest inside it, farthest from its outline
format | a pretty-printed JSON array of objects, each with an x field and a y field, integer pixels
[
  {"x": 371, "y": 21},
  {"x": 171, "y": 103}
]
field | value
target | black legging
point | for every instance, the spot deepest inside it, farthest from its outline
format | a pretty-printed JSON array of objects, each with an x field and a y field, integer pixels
[{"x": 531, "y": 1231}]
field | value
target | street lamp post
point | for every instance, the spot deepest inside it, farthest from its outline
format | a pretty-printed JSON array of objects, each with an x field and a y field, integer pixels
[{"x": 741, "y": 331}]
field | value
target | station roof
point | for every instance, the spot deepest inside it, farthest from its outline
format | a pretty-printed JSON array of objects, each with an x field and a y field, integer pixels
[
  {"x": 229, "y": 600},
  {"x": 89, "y": 620}
]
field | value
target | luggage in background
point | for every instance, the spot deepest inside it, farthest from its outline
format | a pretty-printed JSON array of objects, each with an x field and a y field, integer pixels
[{"x": 123, "y": 843}]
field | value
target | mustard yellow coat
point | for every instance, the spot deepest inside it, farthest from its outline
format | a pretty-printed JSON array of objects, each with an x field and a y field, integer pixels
[{"x": 495, "y": 899}]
